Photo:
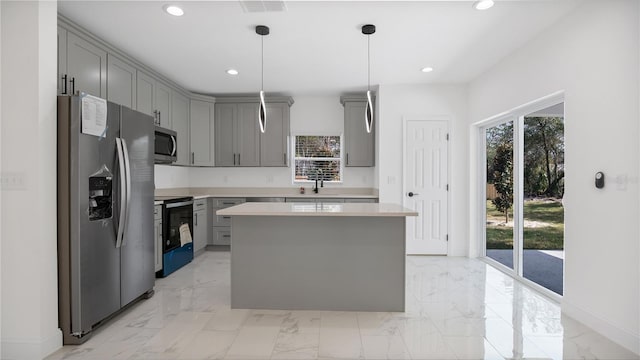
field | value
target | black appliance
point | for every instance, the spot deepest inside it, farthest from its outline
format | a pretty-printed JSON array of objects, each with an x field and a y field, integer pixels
[
  {"x": 175, "y": 213},
  {"x": 166, "y": 146}
]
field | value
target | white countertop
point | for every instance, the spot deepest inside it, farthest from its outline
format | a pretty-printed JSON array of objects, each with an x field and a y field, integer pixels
[{"x": 319, "y": 209}]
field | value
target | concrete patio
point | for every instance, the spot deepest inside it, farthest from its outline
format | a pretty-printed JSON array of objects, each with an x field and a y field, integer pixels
[{"x": 544, "y": 267}]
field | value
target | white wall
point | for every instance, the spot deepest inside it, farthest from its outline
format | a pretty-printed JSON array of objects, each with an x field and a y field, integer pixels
[
  {"x": 314, "y": 115},
  {"x": 29, "y": 272},
  {"x": 168, "y": 177},
  {"x": 425, "y": 101},
  {"x": 593, "y": 55}
]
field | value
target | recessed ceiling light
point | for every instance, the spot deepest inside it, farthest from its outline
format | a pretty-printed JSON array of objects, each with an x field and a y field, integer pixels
[
  {"x": 173, "y": 10},
  {"x": 232, "y": 72},
  {"x": 483, "y": 4},
  {"x": 427, "y": 69}
]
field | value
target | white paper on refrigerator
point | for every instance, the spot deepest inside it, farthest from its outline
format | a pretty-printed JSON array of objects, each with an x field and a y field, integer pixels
[{"x": 94, "y": 115}]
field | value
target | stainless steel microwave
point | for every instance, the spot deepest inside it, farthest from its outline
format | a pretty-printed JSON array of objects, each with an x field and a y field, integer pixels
[{"x": 166, "y": 146}]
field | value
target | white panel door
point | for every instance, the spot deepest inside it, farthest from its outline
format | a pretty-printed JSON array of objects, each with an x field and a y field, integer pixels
[{"x": 426, "y": 186}]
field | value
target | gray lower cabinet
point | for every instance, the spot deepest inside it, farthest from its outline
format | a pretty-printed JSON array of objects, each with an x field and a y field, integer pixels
[
  {"x": 200, "y": 225},
  {"x": 157, "y": 231},
  {"x": 358, "y": 144},
  {"x": 121, "y": 82},
  {"x": 274, "y": 141},
  {"x": 222, "y": 224},
  {"x": 202, "y": 131},
  {"x": 82, "y": 66},
  {"x": 180, "y": 124}
]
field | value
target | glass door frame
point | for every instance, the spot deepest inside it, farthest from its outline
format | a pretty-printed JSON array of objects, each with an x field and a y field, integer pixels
[{"x": 516, "y": 115}]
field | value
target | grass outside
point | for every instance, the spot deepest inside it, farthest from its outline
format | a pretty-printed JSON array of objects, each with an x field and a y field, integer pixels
[{"x": 543, "y": 226}]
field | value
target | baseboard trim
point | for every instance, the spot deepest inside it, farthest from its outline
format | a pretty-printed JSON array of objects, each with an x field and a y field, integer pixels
[
  {"x": 620, "y": 336},
  {"x": 28, "y": 349}
]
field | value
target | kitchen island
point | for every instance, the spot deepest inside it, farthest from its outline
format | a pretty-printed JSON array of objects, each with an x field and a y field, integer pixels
[{"x": 319, "y": 256}]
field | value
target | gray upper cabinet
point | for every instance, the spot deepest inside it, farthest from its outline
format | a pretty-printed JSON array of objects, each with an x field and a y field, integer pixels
[
  {"x": 237, "y": 137},
  {"x": 63, "y": 77},
  {"x": 121, "y": 82},
  {"x": 180, "y": 122},
  {"x": 248, "y": 135},
  {"x": 238, "y": 140},
  {"x": 144, "y": 93},
  {"x": 82, "y": 66},
  {"x": 225, "y": 115},
  {"x": 274, "y": 142},
  {"x": 358, "y": 144},
  {"x": 162, "y": 104},
  {"x": 153, "y": 98},
  {"x": 202, "y": 131}
]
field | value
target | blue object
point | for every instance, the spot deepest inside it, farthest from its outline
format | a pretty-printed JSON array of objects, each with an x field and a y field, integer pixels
[{"x": 176, "y": 258}]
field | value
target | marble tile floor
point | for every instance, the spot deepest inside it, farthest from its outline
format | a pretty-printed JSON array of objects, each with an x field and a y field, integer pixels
[{"x": 457, "y": 308}]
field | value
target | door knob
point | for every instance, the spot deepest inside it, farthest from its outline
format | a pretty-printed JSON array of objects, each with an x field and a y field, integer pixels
[{"x": 411, "y": 194}]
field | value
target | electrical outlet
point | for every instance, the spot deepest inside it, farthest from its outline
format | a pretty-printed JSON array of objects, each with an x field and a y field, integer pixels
[
  {"x": 269, "y": 178},
  {"x": 225, "y": 179},
  {"x": 13, "y": 181},
  {"x": 391, "y": 180}
]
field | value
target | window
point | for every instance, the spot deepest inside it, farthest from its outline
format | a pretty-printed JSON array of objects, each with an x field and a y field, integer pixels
[{"x": 317, "y": 158}]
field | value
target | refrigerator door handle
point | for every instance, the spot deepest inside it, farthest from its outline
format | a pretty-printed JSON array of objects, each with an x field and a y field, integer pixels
[
  {"x": 128, "y": 181},
  {"x": 123, "y": 193}
]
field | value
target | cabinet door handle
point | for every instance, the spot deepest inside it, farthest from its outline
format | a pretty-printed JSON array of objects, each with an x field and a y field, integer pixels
[
  {"x": 196, "y": 219},
  {"x": 226, "y": 217},
  {"x": 64, "y": 84},
  {"x": 193, "y": 157},
  {"x": 238, "y": 159},
  {"x": 226, "y": 236},
  {"x": 159, "y": 117},
  {"x": 284, "y": 158},
  {"x": 347, "y": 158},
  {"x": 234, "y": 159},
  {"x": 73, "y": 85}
]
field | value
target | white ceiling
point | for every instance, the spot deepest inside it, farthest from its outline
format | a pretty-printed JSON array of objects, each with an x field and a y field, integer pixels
[{"x": 316, "y": 47}]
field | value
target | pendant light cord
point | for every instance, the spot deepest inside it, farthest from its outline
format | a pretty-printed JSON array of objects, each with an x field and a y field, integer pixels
[
  {"x": 368, "y": 62},
  {"x": 262, "y": 50}
]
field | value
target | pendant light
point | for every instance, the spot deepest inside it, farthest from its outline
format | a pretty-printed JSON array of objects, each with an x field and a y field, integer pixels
[
  {"x": 368, "y": 113},
  {"x": 262, "y": 110}
]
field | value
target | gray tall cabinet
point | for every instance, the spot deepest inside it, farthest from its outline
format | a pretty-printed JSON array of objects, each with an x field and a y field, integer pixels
[{"x": 358, "y": 144}]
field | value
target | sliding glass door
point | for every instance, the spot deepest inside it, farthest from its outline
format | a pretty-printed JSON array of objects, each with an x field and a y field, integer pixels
[
  {"x": 499, "y": 199},
  {"x": 524, "y": 215}
]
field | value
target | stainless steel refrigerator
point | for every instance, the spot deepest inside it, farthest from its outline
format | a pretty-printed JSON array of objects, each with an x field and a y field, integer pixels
[{"x": 105, "y": 214}]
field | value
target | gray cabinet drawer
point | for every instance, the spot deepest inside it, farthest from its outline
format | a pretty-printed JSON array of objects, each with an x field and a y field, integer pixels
[
  {"x": 329, "y": 200},
  {"x": 361, "y": 200},
  {"x": 222, "y": 203},
  {"x": 301, "y": 200},
  {"x": 220, "y": 220},
  {"x": 222, "y": 236},
  {"x": 199, "y": 204},
  {"x": 157, "y": 212}
]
